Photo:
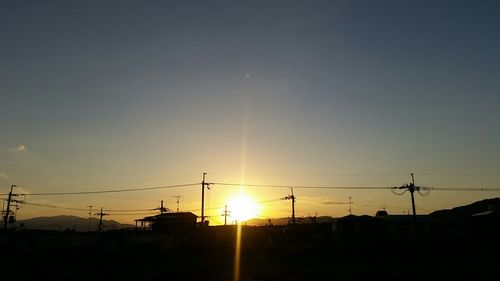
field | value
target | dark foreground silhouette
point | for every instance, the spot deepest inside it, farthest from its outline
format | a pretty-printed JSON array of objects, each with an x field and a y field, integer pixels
[{"x": 306, "y": 252}]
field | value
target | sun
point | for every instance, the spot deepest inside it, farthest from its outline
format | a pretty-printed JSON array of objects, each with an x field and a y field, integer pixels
[{"x": 242, "y": 207}]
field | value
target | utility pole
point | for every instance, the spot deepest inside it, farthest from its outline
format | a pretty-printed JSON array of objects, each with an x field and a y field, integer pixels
[
  {"x": 203, "y": 184},
  {"x": 101, "y": 214},
  {"x": 225, "y": 214},
  {"x": 411, "y": 187},
  {"x": 7, "y": 212},
  {"x": 292, "y": 198},
  {"x": 90, "y": 216},
  {"x": 177, "y": 197},
  {"x": 350, "y": 204}
]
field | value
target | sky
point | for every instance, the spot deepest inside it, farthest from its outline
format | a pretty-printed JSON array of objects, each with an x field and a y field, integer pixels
[{"x": 99, "y": 95}]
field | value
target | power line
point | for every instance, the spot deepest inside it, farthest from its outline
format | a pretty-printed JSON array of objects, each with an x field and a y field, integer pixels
[
  {"x": 133, "y": 214},
  {"x": 359, "y": 187},
  {"x": 461, "y": 189},
  {"x": 123, "y": 182},
  {"x": 317, "y": 175},
  {"x": 459, "y": 174},
  {"x": 54, "y": 207},
  {"x": 128, "y": 210},
  {"x": 465, "y": 188},
  {"x": 378, "y": 206},
  {"x": 303, "y": 186},
  {"x": 81, "y": 209},
  {"x": 109, "y": 191}
]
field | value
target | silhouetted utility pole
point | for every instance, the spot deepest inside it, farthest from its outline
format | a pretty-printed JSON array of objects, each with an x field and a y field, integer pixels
[
  {"x": 412, "y": 190},
  {"x": 101, "y": 214},
  {"x": 7, "y": 212},
  {"x": 350, "y": 204},
  {"x": 292, "y": 198},
  {"x": 177, "y": 197},
  {"x": 203, "y": 184},
  {"x": 225, "y": 214},
  {"x": 90, "y": 216},
  {"x": 411, "y": 187}
]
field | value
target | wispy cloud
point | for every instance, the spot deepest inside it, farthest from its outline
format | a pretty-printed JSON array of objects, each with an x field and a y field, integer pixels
[
  {"x": 4, "y": 176},
  {"x": 334, "y": 203},
  {"x": 21, "y": 148}
]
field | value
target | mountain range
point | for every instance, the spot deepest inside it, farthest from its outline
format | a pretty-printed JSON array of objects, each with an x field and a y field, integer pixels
[{"x": 68, "y": 223}]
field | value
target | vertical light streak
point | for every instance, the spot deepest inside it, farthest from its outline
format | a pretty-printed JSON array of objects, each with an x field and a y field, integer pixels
[
  {"x": 237, "y": 248},
  {"x": 237, "y": 253}
]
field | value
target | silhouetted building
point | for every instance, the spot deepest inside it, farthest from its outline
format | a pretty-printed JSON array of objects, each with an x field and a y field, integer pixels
[
  {"x": 381, "y": 213},
  {"x": 168, "y": 222}
]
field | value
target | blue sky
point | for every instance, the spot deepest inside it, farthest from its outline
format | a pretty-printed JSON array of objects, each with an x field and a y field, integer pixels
[{"x": 134, "y": 93}]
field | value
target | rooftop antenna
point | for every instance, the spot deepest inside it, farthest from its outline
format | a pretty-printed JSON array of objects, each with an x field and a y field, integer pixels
[{"x": 178, "y": 198}]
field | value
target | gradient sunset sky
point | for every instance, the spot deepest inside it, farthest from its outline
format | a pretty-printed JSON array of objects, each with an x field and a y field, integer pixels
[{"x": 123, "y": 94}]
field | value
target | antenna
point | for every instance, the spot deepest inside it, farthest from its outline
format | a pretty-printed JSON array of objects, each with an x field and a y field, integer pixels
[
  {"x": 350, "y": 204},
  {"x": 178, "y": 198}
]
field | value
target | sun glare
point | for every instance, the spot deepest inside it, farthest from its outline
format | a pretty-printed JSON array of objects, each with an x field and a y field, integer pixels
[{"x": 242, "y": 208}]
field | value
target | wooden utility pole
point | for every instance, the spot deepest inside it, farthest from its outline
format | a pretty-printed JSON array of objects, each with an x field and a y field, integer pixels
[
  {"x": 203, "y": 184},
  {"x": 225, "y": 214},
  {"x": 411, "y": 187},
  {"x": 101, "y": 214},
  {"x": 7, "y": 212},
  {"x": 90, "y": 216},
  {"x": 292, "y": 198}
]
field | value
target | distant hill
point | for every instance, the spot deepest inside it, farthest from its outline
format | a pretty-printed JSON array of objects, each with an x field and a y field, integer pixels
[
  {"x": 488, "y": 205},
  {"x": 68, "y": 223}
]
